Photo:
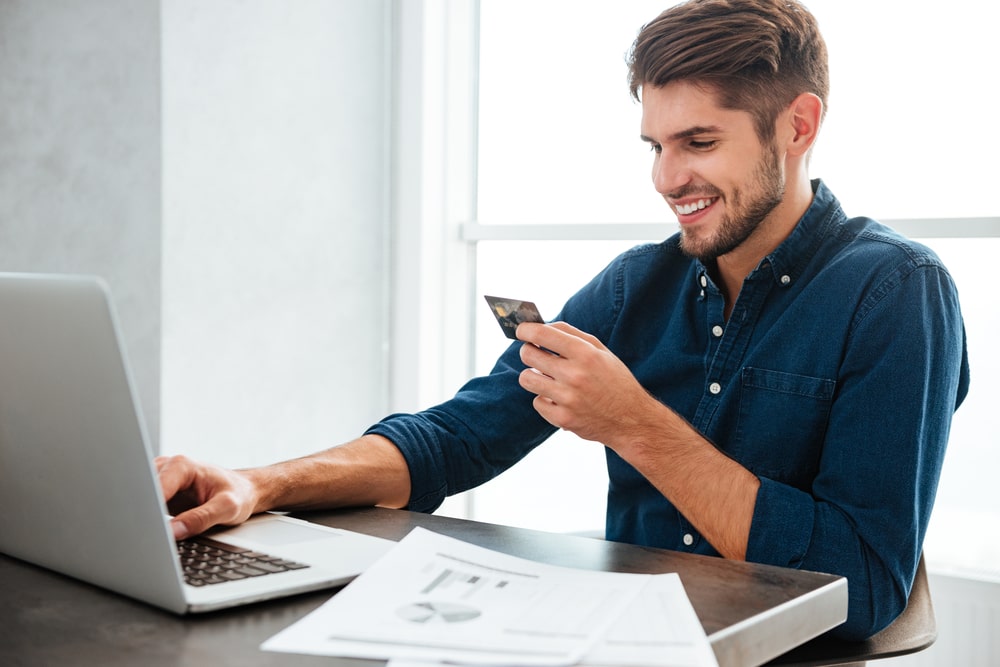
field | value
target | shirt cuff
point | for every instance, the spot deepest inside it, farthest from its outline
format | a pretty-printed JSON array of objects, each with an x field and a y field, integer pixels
[
  {"x": 428, "y": 486},
  {"x": 782, "y": 525}
]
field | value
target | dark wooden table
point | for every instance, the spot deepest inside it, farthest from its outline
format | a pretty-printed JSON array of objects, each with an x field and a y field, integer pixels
[{"x": 750, "y": 612}]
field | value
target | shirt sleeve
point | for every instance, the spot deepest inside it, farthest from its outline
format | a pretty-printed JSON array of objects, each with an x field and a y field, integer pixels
[
  {"x": 486, "y": 428},
  {"x": 491, "y": 422},
  {"x": 904, "y": 372}
]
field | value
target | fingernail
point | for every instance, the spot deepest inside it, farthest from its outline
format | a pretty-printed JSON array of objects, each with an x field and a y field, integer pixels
[{"x": 180, "y": 530}]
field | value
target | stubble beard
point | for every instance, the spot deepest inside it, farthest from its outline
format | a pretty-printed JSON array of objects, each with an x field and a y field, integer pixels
[{"x": 766, "y": 191}]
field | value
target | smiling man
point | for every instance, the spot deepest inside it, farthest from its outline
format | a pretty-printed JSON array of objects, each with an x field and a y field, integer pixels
[{"x": 775, "y": 383}]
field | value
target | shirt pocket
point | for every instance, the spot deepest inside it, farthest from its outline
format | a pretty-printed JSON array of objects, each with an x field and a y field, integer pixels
[{"x": 782, "y": 423}]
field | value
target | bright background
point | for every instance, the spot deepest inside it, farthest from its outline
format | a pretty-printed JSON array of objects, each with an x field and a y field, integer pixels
[{"x": 908, "y": 137}]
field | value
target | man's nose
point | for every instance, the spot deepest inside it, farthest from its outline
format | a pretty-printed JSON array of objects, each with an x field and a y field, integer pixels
[{"x": 669, "y": 174}]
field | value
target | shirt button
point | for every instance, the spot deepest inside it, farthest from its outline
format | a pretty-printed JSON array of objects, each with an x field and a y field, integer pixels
[
  {"x": 716, "y": 331},
  {"x": 688, "y": 539},
  {"x": 715, "y": 387},
  {"x": 785, "y": 279},
  {"x": 704, "y": 281}
]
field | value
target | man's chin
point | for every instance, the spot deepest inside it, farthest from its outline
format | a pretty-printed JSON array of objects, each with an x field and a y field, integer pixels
[{"x": 703, "y": 250}]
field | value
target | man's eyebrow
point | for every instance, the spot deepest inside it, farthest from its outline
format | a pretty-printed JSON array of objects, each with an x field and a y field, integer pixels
[{"x": 686, "y": 134}]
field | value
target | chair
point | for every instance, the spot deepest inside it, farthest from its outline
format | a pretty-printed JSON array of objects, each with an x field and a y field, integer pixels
[{"x": 914, "y": 630}]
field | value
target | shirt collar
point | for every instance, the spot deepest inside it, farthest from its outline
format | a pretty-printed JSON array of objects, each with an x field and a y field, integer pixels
[{"x": 788, "y": 260}]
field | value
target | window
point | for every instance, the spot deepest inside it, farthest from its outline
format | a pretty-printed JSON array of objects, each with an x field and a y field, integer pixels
[{"x": 564, "y": 186}]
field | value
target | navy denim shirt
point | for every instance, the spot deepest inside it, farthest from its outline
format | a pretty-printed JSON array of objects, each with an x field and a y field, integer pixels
[{"x": 834, "y": 381}]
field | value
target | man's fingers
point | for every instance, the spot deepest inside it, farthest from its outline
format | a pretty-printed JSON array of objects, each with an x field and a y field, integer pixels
[
  {"x": 202, "y": 496},
  {"x": 180, "y": 529},
  {"x": 535, "y": 381},
  {"x": 559, "y": 337},
  {"x": 565, "y": 327},
  {"x": 540, "y": 361},
  {"x": 175, "y": 473},
  {"x": 192, "y": 522},
  {"x": 221, "y": 508}
]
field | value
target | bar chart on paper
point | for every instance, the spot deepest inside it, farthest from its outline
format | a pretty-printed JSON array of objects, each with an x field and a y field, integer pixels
[
  {"x": 455, "y": 591},
  {"x": 448, "y": 577}
]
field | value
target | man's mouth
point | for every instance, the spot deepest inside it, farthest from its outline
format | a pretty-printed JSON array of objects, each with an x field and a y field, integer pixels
[{"x": 695, "y": 206}]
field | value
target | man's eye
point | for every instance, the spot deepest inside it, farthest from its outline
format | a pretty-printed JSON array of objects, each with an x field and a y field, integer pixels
[
  {"x": 656, "y": 148},
  {"x": 702, "y": 145}
]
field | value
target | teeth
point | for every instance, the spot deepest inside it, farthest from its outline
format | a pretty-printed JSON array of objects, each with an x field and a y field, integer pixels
[{"x": 688, "y": 209}]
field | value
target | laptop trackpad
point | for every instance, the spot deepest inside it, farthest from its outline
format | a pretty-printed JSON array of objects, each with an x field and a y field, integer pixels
[{"x": 276, "y": 532}]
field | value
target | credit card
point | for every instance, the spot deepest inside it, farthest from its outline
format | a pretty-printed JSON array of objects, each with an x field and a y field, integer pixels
[{"x": 511, "y": 312}]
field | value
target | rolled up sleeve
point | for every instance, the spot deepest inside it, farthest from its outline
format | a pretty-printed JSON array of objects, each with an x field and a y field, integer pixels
[{"x": 904, "y": 372}]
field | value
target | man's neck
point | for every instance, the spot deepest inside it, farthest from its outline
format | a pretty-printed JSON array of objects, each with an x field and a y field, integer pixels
[{"x": 733, "y": 267}]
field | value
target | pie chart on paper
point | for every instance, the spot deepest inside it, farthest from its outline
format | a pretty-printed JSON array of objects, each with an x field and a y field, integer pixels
[{"x": 437, "y": 612}]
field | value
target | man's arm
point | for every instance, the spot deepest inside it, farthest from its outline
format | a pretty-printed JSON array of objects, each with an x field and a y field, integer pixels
[
  {"x": 590, "y": 392},
  {"x": 364, "y": 472}
]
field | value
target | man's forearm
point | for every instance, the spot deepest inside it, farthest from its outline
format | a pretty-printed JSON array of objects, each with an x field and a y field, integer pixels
[
  {"x": 714, "y": 492},
  {"x": 364, "y": 472}
]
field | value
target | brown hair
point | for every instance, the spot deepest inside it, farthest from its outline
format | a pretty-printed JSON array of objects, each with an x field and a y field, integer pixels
[{"x": 758, "y": 55}]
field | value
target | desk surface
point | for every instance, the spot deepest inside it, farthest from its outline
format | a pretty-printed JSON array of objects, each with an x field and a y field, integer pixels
[{"x": 751, "y": 612}]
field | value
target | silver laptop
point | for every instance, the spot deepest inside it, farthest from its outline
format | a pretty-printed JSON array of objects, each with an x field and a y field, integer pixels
[{"x": 78, "y": 489}]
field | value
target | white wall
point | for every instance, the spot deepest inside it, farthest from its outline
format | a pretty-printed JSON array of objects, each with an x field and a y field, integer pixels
[
  {"x": 226, "y": 166},
  {"x": 80, "y": 156},
  {"x": 276, "y": 216}
]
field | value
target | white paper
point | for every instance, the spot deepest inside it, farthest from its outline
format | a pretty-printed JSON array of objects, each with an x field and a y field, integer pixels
[
  {"x": 434, "y": 599},
  {"x": 659, "y": 629}
]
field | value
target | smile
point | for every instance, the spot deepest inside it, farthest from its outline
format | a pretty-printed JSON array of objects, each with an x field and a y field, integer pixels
[{"x": 695, "y": 206}]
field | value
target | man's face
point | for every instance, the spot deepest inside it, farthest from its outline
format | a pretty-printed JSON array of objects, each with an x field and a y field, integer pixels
[{"x": 710, "y": 167}]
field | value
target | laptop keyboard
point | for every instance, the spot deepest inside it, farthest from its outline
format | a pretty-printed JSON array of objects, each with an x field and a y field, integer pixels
[{"x": 206, "y": 561}]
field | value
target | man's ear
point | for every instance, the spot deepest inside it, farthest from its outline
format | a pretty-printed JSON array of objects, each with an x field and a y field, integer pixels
[{"x": 803, "y": 119}]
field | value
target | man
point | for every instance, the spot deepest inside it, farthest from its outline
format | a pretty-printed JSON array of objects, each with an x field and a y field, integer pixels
[{"x": 774, "y": 383}]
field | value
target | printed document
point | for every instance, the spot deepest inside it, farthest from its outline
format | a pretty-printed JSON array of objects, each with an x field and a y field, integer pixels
[{"x": 435, "y": 599}]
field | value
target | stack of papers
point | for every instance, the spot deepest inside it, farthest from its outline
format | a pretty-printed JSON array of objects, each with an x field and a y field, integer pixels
[{"x": 434, "y": 599}]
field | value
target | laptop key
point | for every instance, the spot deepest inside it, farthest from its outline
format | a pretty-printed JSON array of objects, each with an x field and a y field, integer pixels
[
  {"x": 249, "y": 571},
  {"x": 269, "y": 567},
  {"x": 207, "y": 561},
  {"x": 290, "y": 565}
]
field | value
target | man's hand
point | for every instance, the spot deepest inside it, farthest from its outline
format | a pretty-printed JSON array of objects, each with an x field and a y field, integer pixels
[
  {"x": 589, "y": 391},
  {"x": 201, "y": 496},
  {"x": 586, "y": 389},
  {"x": 361, "y": 473}
]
